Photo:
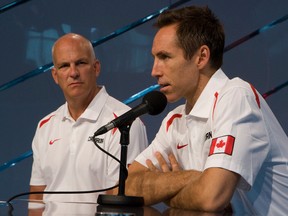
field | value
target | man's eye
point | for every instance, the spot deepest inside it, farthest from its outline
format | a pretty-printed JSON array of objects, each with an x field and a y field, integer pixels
[
  {"x": 81, "y": 63},
  {"x": 163, "y": 56},
  {"x": 62, "y": 66}
]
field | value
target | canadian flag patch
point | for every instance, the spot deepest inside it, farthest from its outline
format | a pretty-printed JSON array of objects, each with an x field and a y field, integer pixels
[{"x": 222, "y": 145}]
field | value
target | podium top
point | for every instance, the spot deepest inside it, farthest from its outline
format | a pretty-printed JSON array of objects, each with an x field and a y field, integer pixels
[{"x": 28, "y": 207}]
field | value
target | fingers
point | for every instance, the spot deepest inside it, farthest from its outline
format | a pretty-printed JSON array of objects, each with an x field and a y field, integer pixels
[
  {"x": 174, "y": 163},
  {"x": 163, "y": 164},
  {"x": 151, "y": 166},
  {"x": 171, "y": 165}
]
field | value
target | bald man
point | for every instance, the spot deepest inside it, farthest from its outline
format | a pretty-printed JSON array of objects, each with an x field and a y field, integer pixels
[{"x": 64, "y": 159}]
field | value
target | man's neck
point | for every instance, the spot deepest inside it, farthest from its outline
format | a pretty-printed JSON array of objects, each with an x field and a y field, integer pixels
[{"x": 77, "y": 106}]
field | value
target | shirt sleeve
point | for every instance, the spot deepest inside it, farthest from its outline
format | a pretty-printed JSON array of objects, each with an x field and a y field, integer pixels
[
  {"x": 160, "y": 144},
  {"x": 36, "y": 173},
  {"x": 138, "y": 140},
  {"x": 238, "y": 126}
]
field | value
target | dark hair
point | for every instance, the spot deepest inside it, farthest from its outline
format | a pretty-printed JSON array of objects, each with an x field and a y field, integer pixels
[{"x": 197, "y": 26}]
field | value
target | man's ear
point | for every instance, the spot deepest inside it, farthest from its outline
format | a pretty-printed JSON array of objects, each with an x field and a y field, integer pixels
[
  {"x": 54, "y": 75},
  {"x": 203, "y": 56},
  {"x": 97, "y": 67}
]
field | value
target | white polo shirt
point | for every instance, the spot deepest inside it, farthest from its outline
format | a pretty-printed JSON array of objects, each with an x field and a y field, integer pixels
[
  {"x": 232, "y": 127},
  {"x": 66, "y": 160}
]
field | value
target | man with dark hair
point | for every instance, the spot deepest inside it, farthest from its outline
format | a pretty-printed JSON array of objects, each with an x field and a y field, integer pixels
[{"x": 224, "y": 145}]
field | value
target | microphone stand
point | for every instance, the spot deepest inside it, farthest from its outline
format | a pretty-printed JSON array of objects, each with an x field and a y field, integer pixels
[{"x": 121, "y": 199}]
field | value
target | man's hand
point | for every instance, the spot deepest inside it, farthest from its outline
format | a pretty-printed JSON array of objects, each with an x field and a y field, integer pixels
[{"x": 165, "y": 166}]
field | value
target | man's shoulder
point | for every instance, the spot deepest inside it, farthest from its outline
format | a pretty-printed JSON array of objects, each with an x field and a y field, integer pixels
[
  {"x": 51, "y": 116},
  {"x": 237, "y": 85},
  {"x": 113, "y": 105}
]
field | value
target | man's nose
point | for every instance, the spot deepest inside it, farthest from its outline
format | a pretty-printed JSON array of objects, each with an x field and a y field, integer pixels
[
  {"x": 74, "y": 71},
  {"x": 155, "y": 70}
]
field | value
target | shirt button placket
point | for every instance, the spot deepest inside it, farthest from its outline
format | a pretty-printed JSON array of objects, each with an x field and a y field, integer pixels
[{"x": 73, "y": 140}]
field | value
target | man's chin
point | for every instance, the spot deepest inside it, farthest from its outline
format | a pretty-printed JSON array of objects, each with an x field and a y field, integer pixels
[{"x": 171, "y": 98}]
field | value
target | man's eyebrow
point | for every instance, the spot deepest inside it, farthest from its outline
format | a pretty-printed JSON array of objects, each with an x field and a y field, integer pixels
[
  {"x": 163, "y": 53},
  {"x": 61, "y": 64}
]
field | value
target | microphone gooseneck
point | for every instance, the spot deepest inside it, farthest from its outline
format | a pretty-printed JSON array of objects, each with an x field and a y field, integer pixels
[{"x": 153, "y": 103}]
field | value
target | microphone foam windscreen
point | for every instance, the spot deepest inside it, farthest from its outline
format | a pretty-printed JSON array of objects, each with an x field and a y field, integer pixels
[{"x": 156, "y": 102}]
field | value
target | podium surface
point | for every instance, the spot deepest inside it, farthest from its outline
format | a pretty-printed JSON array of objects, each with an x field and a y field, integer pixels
[{"x": 26, "y": 207}]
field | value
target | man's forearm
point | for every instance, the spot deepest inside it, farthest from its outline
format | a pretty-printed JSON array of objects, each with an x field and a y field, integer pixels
[
  {"x": 210, "y": 191},
  {"x": 156, "y": 187},
  {"x": 40, "y": 188},
  {"x": 188, "y": 197}
]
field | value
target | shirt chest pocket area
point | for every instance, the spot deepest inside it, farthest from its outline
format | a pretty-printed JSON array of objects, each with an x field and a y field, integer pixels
[{"x": 193, "y": 149}]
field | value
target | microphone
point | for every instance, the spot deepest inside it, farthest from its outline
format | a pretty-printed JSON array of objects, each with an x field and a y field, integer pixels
[{"x": 153, "y": 103}]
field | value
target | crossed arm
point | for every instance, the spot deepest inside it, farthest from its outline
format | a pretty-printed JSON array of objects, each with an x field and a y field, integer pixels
[
  {"x": 210, "y": 190},
  {"x": 34, "y": 188}
]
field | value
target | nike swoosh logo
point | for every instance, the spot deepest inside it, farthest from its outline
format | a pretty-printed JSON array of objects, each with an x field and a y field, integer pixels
[
  {"x": 181, "y": 146},
  {"x": 53, "y": 141}
]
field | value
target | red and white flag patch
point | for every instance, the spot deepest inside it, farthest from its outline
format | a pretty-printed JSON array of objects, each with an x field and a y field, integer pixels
[{"x": 222, "y": 145}]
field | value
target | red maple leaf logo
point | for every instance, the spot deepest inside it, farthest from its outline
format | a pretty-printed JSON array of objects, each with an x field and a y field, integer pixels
[{"x": 220, "y": 144}]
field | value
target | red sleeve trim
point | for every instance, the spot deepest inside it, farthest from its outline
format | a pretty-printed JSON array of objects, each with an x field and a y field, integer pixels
[
  {"x": 170, "y": 121},
  {"x": 216, "y": 98},
  {"x": 114, "y": 129},
  {"x": 45, "y": 121},
  {"x": 256, "y": 95}
]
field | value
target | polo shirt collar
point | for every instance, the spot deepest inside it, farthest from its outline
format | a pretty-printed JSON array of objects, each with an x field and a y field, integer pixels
[
  {"x": 94, "y": 109},
  {"x": 205, "y": 101}
]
